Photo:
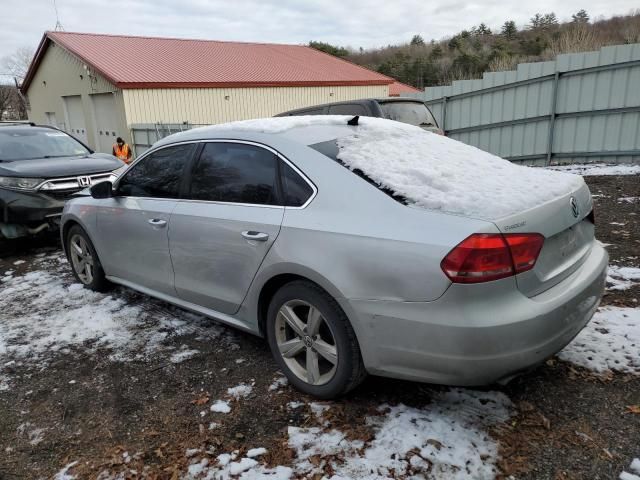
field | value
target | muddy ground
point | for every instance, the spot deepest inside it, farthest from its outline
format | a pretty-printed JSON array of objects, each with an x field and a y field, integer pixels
[{"x": 569, "y": 423}]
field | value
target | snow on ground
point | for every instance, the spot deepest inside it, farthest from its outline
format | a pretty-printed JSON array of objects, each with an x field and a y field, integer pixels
[
  {"x": 448, "y": 439},
  {"x": 628, "y": 199},
  {"x": 622, "y": 278},
  {"x": 634, "y": 471},
  {"x": 241, "y": 391},
  {"x": 220, "y": 406},
  {"x": 44, "y": 312},
  {"x": 429, "y": 170},
  {"x": 589, "y": 169},
  {"x": 610, "y": 341},
  {"x": 278, "y": 383}
]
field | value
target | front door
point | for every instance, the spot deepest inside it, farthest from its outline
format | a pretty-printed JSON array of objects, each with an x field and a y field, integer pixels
[
  {"x": 222, "y": 230},
  {"x": 133, "y": 225}
]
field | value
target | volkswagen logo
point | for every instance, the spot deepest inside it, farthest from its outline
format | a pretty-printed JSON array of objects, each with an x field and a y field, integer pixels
[
  {"x": 84, "y": 181},
  {"x": 575, "y": 208}
]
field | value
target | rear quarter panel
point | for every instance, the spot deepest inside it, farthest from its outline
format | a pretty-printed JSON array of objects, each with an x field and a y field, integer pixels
[{"x": 366, "y": 244}]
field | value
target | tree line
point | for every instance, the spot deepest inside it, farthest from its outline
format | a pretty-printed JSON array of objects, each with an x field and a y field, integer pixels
[{"x": 479, "y": 49}]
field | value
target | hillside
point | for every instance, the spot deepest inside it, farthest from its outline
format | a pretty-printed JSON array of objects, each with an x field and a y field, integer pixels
[{"x": 471, "y": 52}]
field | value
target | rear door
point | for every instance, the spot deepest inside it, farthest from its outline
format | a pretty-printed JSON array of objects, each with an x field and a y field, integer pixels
[
  {"x": 133, "y": 225},
  {"x": 221, "y": 231}
]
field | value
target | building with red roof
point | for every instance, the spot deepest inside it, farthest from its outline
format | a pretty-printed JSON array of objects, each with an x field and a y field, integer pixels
[{"x": 99, "y": 86}]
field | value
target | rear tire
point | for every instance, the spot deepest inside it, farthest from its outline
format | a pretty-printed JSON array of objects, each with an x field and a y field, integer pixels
[
  {"x": 84, "y": 260},
  {"x": 313, "y": 342}
]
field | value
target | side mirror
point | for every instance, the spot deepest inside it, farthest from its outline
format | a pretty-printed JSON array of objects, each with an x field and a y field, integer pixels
[{"x": 102, "y": 190}]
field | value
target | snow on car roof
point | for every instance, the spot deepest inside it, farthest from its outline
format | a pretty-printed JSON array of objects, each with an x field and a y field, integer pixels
[{"x": 429, "y": 170}]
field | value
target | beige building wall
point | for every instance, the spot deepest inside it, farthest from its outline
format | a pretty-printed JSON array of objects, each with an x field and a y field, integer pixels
[
  {"x": 61, "y": 75},
  {"x": 219, "y": 105}
]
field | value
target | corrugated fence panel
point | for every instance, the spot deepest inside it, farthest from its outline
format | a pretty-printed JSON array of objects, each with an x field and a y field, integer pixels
[{"x": 579, "y": 107}]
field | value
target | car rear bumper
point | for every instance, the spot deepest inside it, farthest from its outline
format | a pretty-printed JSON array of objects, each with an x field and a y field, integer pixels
[{"x": 477, "y": 334}]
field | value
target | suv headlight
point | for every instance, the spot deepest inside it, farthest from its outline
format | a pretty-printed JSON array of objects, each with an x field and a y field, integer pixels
[{"x": 16, "y": 183}]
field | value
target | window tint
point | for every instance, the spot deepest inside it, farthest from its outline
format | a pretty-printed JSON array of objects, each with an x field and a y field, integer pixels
[
  {"x": 348, "y": 109},
  {"x": 234, "y": 172},
  {"x": 157, "y": 175},
  {"x": 296, "y": 190}
]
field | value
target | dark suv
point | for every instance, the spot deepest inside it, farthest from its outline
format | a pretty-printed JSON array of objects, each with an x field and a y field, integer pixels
[
  {"x": 40, "y": 168},
  {"x": 405, "y": 110}
]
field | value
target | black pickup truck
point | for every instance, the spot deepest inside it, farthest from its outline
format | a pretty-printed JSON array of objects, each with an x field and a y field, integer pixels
[{"x": 40, "y": 168}]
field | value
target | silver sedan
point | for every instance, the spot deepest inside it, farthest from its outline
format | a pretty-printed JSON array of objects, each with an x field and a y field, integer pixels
[{"x": 296, "y": 229}]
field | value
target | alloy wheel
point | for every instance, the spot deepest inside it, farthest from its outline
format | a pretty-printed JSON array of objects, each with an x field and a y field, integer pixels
[
  {"x": 306, "y": 342},
  {"x": 81, "y": 258}
]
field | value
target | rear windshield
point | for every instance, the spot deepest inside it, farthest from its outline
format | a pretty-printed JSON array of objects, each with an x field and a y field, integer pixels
[
  {"x": 330, "y": 149},
  {"x": 31, "y": 143},
  {"x": 413, "y": 113}
]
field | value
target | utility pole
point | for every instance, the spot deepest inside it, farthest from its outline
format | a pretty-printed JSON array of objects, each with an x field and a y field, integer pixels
[{"x": 58, "y": 27}]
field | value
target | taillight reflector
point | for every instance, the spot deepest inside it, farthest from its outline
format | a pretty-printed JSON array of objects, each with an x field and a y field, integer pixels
[{"x": 483, "y": 257}]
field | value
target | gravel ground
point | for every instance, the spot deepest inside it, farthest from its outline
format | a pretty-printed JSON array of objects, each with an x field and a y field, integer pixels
[{"x": 144, "y": 416}]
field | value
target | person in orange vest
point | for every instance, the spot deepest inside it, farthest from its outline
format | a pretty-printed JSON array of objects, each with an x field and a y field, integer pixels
[{"x": 122, "y": 150}]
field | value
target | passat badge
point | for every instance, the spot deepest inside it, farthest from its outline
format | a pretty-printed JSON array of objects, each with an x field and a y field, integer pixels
[{"x": 575, "y": 208}]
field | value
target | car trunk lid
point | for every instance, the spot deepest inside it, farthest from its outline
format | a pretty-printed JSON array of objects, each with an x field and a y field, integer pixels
[{"x": 568, "y": 228}]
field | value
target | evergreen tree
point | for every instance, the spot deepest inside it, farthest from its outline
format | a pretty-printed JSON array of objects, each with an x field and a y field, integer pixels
[
  {"x": 330, "y": 49},
  {"x": 509, "y": 29},
  {"x": 483, "y": 30},
  {"x": 417, "y": 40},
  {"x": 580, "y": 17}
]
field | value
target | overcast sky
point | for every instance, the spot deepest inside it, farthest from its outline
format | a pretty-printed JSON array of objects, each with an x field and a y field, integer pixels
[{"x": 355, "y": 23}]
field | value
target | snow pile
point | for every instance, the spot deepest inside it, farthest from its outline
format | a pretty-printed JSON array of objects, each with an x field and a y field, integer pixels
[
  {"x": 241, "y": 391},
  {"x": 228, "y": 465},
  {"x": 622, "y": 278},
  {"x": 611, "y": 341},
  {"x": 429, "y": 170},
  {"x": 44, "y": 312},
  {"x": 634, "y": 471},
  {"x": 592, "y": 169},
  {"x": 220, "y": 406},
  {"x": 185, "y": 353},
  {"x": 278, "y": 383},
  {"x": 447, "y": 439},
  {"x": 64, "y": 473}
]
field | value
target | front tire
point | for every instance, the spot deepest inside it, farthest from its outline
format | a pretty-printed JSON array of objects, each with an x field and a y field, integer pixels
[
  {"x": 313, "y": 342},
  {"x": 84, "y": 261}
]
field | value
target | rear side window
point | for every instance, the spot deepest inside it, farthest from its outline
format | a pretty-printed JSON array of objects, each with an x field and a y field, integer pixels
[
  {"x": 413, "y": 113},
  {"x": 158, "y": 175},
  {"x": 236, "y": 173},
  {"x": 296, "y": 190},
  {"x": 348, "y": 109},
  {"x": 330, "y": 149}
]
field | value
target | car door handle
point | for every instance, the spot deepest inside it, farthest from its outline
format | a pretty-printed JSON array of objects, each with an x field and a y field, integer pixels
[
  {"x": 157, "y": 222},
  {"x": 258, "y": 236}
]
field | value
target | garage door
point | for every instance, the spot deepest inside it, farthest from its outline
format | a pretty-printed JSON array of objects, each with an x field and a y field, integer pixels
[
  {"x": 104, "y": 108},
  {"x": 77, "y": 125}
]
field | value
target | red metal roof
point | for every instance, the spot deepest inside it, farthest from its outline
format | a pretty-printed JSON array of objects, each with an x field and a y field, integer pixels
[
  {"x": 146, "y": 62},
  {"x": 396, "y": 88}
]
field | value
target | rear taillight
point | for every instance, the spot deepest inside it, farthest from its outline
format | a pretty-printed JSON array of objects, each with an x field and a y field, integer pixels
[{"x": 482, "y": 257}]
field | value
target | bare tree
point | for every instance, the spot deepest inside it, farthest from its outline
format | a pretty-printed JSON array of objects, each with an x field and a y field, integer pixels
[
  {"x": 6, "y": 96},
  {"x": 18, "y": 62}
]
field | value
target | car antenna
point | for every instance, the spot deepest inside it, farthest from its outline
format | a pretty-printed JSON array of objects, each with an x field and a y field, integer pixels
[{"x": 354, "y": 121}]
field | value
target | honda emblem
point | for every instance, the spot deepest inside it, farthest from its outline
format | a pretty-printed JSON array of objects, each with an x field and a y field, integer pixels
[{"x": 84, "y": 181}]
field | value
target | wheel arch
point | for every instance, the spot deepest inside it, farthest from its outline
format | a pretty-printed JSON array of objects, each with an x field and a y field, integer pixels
[{"x": 276, "y": 280}]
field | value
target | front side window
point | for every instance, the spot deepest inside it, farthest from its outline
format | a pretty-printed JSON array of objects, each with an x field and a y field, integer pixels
[
  {"x": 158, "y": 175},
  {"x": 235, "y": 173}
]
